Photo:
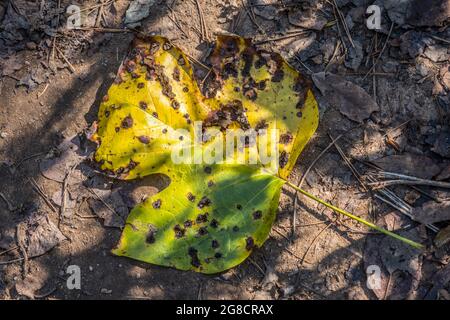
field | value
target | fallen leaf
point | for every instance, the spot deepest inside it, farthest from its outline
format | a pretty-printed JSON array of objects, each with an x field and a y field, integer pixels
[
  {"x": 210, "y": 217},
  {"x": 439, "y": 281},
  {"x": 67, "y": 155},
  {"x": 112, "y": 209},
  {"x": 41, "y": 235},
  {"x": 442, "y": 145},
  {"x": 443, "y": 237},
  {"x": 399, "y": 265},
  {"x": 308, "y": 19},
  {"x": 137, "y": 11},
  {"x": 409, "y": 164},
  {"x": 266, "y": 9},
  {"x": 431, "y": 212},
  {"x": 428, "y": 13},
  {"x": 351, "y": 100},
  {"x": 11, "y": 65},
  {"x": 444, "y": 174},
  {"x": 29, "y": 286}
]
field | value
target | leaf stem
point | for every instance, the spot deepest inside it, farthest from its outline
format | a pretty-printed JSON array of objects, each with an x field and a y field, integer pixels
[{"x": 352, "y": 216}]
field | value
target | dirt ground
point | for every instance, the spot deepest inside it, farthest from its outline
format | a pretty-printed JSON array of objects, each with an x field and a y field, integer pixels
[{"x": 45, "y": 100}]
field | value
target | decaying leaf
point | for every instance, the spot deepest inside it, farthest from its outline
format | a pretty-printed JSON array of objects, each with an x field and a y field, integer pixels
[
  {"x": 41, "y": 235},
  {"x": 409, "y": 164},
  {"x": 431, "y": 212},
  {"x": 399, "y": 265},
  {"x": 211, "y": 216},
  {"x": 351, "y": 100}
]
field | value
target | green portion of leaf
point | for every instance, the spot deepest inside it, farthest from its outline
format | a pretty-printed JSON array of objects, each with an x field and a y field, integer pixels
[{"x": 207, "y": 222}]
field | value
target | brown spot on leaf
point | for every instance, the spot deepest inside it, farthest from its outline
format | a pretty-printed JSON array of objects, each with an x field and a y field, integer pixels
[
  {"x": 261, "y": 125},
  {"x": 179, "y": 231},
  {"x": 187, "y": 223},
  {"x": 202, "y": 231},
  {"x": 214, "y": 223},
  {"x": 127, "y": 122},
  {"x": 257, "y": 214},
  {"x": 140, "y": 85},
  {"x": 175, "y": 104},
  {"x": 249, "y": 243},
  {"x": 143, "y": 105},
  {"x": 176, "y": 74},
  {"x": 204, "y": 202},
  {"x": 156, "y": 204},
  {"x": 167, "y": 46},
  {"x": 215, "y": 244},
  {"x": 286, "y": 138},
  {"x": 193, "y": 253},
  {"x": 207, "y": 170},
  {"x": 150, "y": 236},
  {"x": 217, "y": 255},
  {"x": 284, "y": 157},
  {"x": 190, "y": 197},
  {"x": 144, "y": 139},
  {"x": 202, "y": 218}
]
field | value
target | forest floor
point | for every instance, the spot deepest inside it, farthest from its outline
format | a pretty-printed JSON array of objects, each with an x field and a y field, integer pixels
[{"x": 387, "y": 99}]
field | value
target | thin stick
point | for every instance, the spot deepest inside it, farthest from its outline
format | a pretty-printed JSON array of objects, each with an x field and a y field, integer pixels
[
  {"x": 349, "y": 164},
  {"x": 315, "y": 239},
  {"x": 71, "y": 68},
  {"x": 43, "y": 91},
  {"x": 381, "y": 53},
  {"x": 352, "y": 216},
  {"x": 302, "y": 180},
  {"x": 282, "y": 37},
  {"x": 249, "y": 13},
  {"x": 8, "y": 203},
  {"x": 9, "y": 250},
  {"x": 422, "y": 182},
  {"x": 2, "y": 263},
  {"x": 41, "y": 193},
  {"x": 344, "y": 24}
]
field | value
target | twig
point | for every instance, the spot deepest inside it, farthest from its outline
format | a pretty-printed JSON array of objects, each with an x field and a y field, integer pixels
[
  {"x": 8, "y": 203},
  {"x": 252, "y": 18},
  {"x": 64, "y": 194},
  {"x": 440, "y": 39},
  {"x": 344, "y": 24},
  {"x": 43, "y": 91},
  {"x": 349, "y": 164},
  {"x": 41, "y": 193},
  {"x": 196, "y": 61},
  {"x": 9, "y": 250},
  {"x": 315, "y": 239},
  {"x": 108, "y": 30},
  {"x": 257, "y": 266},
  {"x": 302, "y": 180},
  {"x": 381, "y": 53},
  {"x": 20, "y": 235},
  {"x": 71, "y": 68},
  {"x": 203, "y": 27},
  {"x": 2, "y": 263},
  {"x": 422, "y": 182},
  {"x": 281, "y": 37}
]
